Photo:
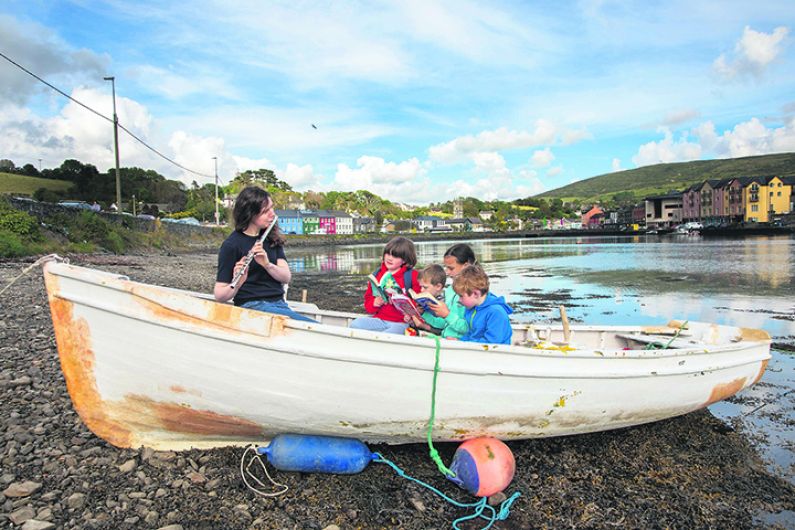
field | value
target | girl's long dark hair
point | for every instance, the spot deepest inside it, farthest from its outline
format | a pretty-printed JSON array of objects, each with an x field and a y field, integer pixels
[
  {"x": 248, "y": 205},
  {"x": 462, "y": 253}
]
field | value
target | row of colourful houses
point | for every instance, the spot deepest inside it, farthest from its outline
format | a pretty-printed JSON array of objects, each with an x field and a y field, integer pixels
[
  {"x": 751, "y": 199},
  {"x": 315, "y": 222},
  {"x": 319, "y": 222}
]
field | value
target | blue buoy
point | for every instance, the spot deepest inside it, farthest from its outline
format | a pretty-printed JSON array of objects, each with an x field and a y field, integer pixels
[{"x": 317, "y": 454}]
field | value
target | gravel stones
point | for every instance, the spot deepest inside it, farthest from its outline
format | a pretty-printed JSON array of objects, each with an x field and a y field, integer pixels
[
  {"x": 22, "y": 489},
  {"x": 682, "y": 473}
]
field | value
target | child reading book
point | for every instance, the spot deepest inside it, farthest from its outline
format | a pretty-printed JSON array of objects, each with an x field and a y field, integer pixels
[
  {"x": 486, "y": 313},
  {"x": 432, "y": 279},
  {"x": 396, "y": 270},
  {"x": 456, "y": 259}
]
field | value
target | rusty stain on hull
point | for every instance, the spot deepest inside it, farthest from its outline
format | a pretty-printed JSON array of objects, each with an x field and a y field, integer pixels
[
  {"x": 220, "y": 316},
  {"x": 762, "y": 369},
  {"x": 77, "y": 363},
  {"x": 724, "y": 390},
  {"x": 754, "y": 334},
  {"x": 178, "y": 418}
]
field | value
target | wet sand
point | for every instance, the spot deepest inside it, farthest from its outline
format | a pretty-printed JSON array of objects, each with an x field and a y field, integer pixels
[{"x": 694, "y": 471}]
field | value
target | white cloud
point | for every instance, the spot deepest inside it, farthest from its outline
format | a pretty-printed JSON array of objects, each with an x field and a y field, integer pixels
[
  {"x": 38, "y": 49},
  {"x": 615, "y": 165},
  {"x": 542, "y": 158},
  {"x": 321, "y": 45},
  {"x": 667, "y": 150},
  {"x": 301, "y": 178},
  {"x": 174, "y": 86},
  {"x": 497, "y": 140},
  {"x": 748, "y": 138},
  {"x": 572, "y": 136},
  {"x": 554, "y": 171},
  {"x": 753, "y": 53},
  {"x": 494, "y": 180}
]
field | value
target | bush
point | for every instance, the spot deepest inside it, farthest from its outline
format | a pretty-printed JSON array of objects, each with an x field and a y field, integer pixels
[
  {"x": 11, "y": 245},
  {"x": 91, "y": 229},
  {"x": 19, "y": 223}
]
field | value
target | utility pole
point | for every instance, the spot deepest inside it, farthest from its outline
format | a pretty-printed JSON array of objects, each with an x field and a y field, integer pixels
[
  {"x": 215, "y": 158},
  {"x": 112, "y": 80}
]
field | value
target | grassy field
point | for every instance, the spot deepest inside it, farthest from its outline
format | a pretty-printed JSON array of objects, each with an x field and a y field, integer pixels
[
  {"x": 11, "y": 184},
  {"x": 661, "y": 178}
]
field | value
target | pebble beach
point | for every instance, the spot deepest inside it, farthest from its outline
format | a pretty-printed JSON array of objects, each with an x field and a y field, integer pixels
[{"x": 694, "y": 471}]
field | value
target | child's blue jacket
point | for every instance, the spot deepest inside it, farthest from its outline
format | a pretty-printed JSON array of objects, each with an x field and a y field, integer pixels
[{"x": 489, "y": 322}]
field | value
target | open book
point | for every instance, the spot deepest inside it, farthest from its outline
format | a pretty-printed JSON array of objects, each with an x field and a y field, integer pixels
[
  {"x": 385, "y": 287},
  {"x": 405, "y": 305},
  {"x": 424, "y": 300},
  {"x": 378, "y": 291}
]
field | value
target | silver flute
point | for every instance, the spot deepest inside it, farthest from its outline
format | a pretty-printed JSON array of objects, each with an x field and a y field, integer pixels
[{"x": 250, "y": 255}]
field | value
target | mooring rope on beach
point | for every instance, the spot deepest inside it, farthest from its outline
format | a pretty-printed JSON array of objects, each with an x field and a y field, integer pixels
[{"x": 42, "y": 260}]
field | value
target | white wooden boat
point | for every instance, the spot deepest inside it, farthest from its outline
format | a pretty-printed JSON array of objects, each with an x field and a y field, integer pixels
[{"x": 169, "y": 369}]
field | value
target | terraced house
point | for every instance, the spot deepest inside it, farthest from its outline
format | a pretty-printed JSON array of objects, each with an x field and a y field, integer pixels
[
  {"x": 764, "y": 197},
  {"x": 731, "y": 200}
]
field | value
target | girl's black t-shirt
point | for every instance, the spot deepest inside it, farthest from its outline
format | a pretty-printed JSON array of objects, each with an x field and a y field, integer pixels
[{"x": 260, "y": 285}]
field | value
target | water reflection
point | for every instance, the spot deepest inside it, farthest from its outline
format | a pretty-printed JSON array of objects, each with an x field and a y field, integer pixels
[{"x": 617, "y": 280}]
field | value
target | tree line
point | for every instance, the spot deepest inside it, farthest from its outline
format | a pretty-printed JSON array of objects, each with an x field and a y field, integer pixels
[{"x": 151, "y": 188}]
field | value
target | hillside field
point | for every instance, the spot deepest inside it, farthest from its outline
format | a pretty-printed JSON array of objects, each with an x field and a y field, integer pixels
[
  {"x": 661, "y": 178},
  {"x": 11, "y": 184}
]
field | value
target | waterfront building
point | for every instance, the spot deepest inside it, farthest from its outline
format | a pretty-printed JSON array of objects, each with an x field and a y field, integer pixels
[
  {"x": 310, "y": 221},
  {"x": 290, "y": 221},
  {"x": 664, "y": 211},
  {"x": 425, "y": 223},
  {"x": 343, "y": 222},
  {"x": 327, "y": 222}
]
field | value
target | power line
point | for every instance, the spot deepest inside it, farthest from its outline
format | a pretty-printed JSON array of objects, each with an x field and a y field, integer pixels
[{"x": 122, "y": 127}]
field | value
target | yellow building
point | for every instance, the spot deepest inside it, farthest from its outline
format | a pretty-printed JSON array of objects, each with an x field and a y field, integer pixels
[{"x": 764, "y": 197}]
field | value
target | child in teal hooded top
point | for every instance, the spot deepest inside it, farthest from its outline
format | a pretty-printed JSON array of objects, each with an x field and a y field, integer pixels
[{"x": 456, "y": 258}]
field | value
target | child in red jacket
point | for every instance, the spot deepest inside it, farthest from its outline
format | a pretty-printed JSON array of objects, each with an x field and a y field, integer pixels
[{"x": 398, "y": 261}]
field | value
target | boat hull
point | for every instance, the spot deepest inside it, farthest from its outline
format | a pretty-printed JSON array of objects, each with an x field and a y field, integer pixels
[{"x": 156, "y": 367}]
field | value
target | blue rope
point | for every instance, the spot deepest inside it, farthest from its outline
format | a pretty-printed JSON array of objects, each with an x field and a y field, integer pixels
[{"x": 479, "y": 506}]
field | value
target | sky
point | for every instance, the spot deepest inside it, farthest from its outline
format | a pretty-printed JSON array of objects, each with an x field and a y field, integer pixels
[{"x": 417, "y": 101}]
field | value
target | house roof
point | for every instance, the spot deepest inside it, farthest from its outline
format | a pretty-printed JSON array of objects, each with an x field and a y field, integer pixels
[
  {"x": 288, "y": 214},
  {"x": 672, "y": 195}
]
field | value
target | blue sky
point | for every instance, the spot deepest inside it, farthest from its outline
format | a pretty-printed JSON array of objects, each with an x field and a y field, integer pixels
[{"x": 418, "y": 101}]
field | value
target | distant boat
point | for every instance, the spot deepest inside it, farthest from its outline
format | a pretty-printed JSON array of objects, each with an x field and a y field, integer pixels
[{"x": 170, "y": 369}]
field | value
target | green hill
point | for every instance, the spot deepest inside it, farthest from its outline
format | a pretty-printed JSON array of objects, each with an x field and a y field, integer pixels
[
  {"x": 12, "y": 184},
  {"x": 661, "y": 178}
]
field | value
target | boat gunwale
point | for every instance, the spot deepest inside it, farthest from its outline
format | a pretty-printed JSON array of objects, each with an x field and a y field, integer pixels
[{"x": 511, "y": 351}]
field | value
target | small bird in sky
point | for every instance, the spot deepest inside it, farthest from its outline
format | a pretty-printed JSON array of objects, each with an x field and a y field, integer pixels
[{"x": 313, "y": 125}]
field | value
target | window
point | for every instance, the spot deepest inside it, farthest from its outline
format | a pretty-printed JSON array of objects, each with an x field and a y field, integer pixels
[
  {"x": 754, "y": 207},
  {"x": 778, "y": 194}
]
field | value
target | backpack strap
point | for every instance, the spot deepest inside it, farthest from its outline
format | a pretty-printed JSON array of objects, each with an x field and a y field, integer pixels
[{"x": 407, "y": 280}]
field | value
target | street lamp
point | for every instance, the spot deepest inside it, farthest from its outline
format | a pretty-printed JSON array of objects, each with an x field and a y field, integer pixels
[
  {"x": 39, "y": 165},
  {"x": 215, "y": 158},
  {"x": 112, "y": 80}
]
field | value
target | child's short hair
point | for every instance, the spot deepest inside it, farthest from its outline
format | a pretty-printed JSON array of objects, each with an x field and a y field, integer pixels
[
  {"x": 403, "y": 248},
  {"x": 433, "y": 274},
  {"x": 470, "y": 279}
]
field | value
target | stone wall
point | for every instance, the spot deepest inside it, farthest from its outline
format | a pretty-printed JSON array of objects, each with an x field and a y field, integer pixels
[{"x": 41, "y": 210}]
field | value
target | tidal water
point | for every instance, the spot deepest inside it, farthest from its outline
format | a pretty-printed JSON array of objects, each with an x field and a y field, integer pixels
[{"x": 637, "y": 280}]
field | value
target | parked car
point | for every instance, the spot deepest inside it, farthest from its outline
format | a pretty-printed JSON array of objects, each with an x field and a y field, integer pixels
[
  {"x": 80, "y": 205},
  {"x": 182, "y": 221}
]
